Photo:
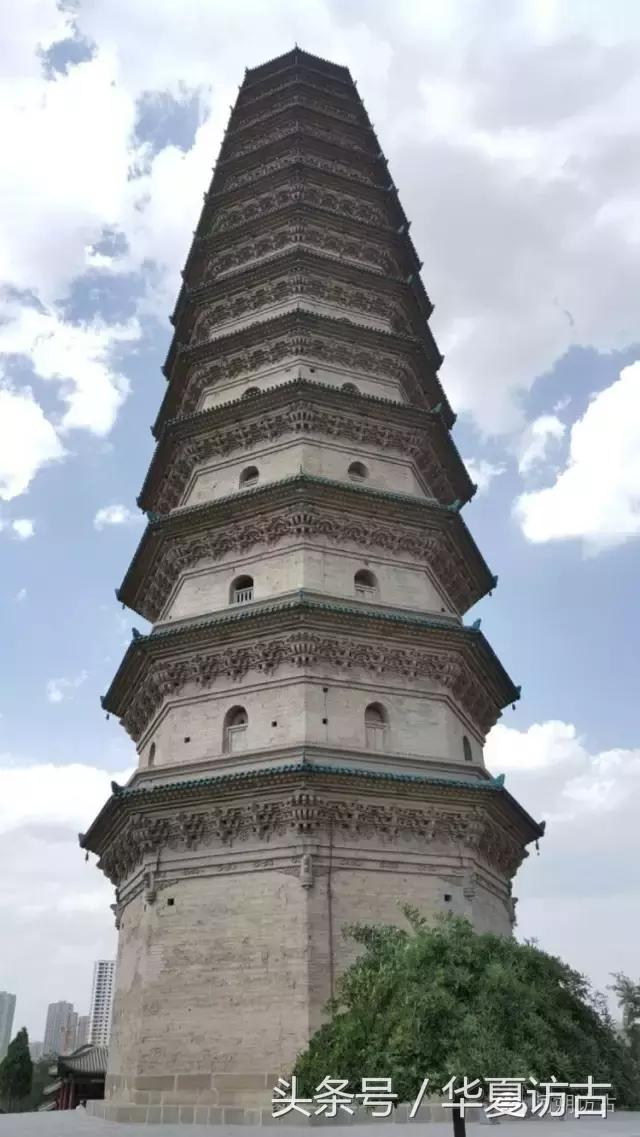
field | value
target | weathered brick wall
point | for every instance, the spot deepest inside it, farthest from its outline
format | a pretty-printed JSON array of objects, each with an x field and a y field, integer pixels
[{"x": 421, "y": 722}]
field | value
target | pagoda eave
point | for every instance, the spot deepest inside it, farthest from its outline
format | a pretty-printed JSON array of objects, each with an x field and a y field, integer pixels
[
  {"x": 292, "y": 213},
  {"x": 298, "y": 166},
  {"x": 354, "y": 139},
  {"x": 300, "y": 333},
  {"x": 296, "y": 627},
  {"x": 357, "y": 168},
  {"x": 371, "y": 287},
  {"x": 134, "y": 800},
  {"x": 307, "y": 95},
  {"x": 304, "y": 506},
  {"x": 220, "y": 429}
]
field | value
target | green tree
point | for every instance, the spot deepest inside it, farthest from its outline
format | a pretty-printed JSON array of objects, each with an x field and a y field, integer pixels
[
  {"x": 439, "y": 1000},
  {"x": 628, "y": 995},
  {"x": 16, "y": 1071},
  {"x": 41, "y": 1078}
]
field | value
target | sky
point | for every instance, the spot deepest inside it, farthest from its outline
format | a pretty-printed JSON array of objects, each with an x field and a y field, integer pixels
[{"x": 511, "y": 130}]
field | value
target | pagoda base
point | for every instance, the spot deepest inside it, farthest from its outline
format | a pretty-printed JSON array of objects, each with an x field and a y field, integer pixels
[{"x": 233, "y": 893}]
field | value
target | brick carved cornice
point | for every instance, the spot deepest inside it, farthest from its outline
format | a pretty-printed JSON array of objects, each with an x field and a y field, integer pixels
[
  {"x": 294, "y": 153},
  {"x": 311, "y": 98},
  {"x": 298, "y": 190},
  {"x": 296, "y": 287},
  {"x": 376, "y": 255},
  {"x": 156, "y": 567},
  {"x": 255, "y": 421},
  {"x": 296, "y": 122},
  {"x": 305, "y": 814},
  {"x": 303, "y": 335},
  {"x": 288, "y": 78},
  {"x": 139, "y": 698}
]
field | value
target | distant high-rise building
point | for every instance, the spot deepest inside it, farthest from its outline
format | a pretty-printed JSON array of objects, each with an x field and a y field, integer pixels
[
  {"x": 7, "y": 1011},
  {"x": 69, "y": 1033},
  {"x": 36, "y": 1050},
  {"x": 56, "y": 1027},
  {"x": 82, "y": 1032},
  {"x": 101, "y": 1002}
]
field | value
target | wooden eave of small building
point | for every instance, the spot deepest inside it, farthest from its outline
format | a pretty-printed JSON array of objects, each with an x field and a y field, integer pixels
[
  {"x": 301, "y": 490},
  {"x": 306, "y": 391},
  {"x": 270, "y": 781},
  {"x": 301, "y": 257},
  {"x": 423, "y": 382},
  {"x": 304, "y": 610}
]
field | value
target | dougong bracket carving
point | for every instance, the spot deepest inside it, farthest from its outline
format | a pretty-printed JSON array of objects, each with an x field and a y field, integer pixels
[
  {"x": 309, "y": 649},
  {"x": 304, "y": 814}
]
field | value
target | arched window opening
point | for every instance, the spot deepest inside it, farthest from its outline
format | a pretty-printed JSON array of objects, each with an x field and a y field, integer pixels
[
  {"x": 250, "y": 391},
  {"x": 466, "y": 749},
  {"x": 249, "y": 477},
  {"x": 350, "y": 388},
  {"x": 242, "y": 590},
  {"x": 365, "y": 585},
  {"x": 152, "y": 754},
  {"x": 358, "y": 472},
  {"x": 235, "y": 729},
  {"x": 375, "y": 724}
]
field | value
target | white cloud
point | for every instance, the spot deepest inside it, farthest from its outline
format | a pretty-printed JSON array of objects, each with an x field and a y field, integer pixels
[
  {"x": 28, "y": 441},
  {"x": 536, "y": 441},
  {"x": 579, "y": 897},
  {"x": 21, "y": 595},
  {"x": 48, "y": 894},
  {"x": 116, "y": 515},
  {"x": 528, "y": 251},
  {"x": 23, "y": 528},
  {"x": 59, "y": 689},
  {"x": 596, "y": 497},
  {"x": 46, "y": 794},
  {"x": 77, "y": 358},
  {"x": 483, "y": 472},
  {"x": 542, "y": 745},
  {"x": 552, "y": 754}
]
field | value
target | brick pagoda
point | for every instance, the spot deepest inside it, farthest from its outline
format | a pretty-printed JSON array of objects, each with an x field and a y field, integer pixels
[{"x": 310, "y": 708}]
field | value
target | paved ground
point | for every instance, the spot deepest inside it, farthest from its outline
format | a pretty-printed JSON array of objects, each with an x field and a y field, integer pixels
[{"x": 72, "y": 1124}]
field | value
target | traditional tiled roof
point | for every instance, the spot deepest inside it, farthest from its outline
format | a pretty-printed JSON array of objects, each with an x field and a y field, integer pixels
[
  {"x": 312, "y": 769},
  {"x": 86, "y": 1060}
]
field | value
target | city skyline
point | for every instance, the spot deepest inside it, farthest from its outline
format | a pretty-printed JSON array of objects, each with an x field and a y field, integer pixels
[{"x": 67, "y": 1028}]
